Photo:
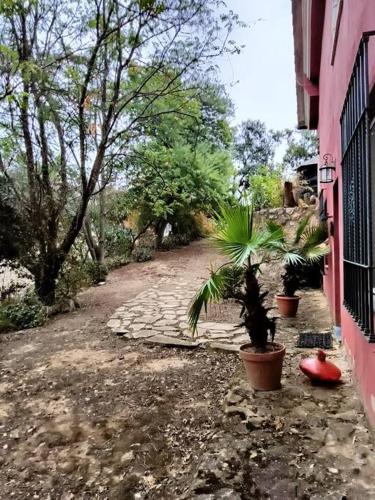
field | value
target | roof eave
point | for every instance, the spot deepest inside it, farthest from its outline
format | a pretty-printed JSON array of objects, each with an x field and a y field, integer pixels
[
  {"x": 298, "y": 62},
  {"x": 311, "y": 41}
]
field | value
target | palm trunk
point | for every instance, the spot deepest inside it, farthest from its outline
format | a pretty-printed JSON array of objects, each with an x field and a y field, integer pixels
[{"x": 256, "y": 321}]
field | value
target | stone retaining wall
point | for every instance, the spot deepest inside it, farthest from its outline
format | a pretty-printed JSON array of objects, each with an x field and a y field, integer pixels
[{"x": 287, "y": 217}]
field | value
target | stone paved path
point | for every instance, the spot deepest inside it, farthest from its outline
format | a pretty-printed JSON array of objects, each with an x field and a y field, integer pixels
[{"x": 159, "y": 315}]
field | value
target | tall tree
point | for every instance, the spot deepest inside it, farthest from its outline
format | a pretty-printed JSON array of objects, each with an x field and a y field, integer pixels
[
  {"x": 65, "y": 96},
  {"x": 255, "y": 145},
  {"x": 181, "y": 166},
  {"x": 302, "y": 145}
]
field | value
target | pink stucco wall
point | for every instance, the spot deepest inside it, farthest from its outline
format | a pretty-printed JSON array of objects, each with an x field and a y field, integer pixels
[{"x": 358, "y": 16}]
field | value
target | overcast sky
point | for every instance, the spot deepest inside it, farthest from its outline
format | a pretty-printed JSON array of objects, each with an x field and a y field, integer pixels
[{"x": 260, "y": 80}]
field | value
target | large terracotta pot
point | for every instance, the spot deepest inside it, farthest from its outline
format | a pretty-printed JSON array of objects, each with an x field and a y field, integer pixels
[
  {"x": 263, "y": 369},
  {"x": 287, "y": 306}
]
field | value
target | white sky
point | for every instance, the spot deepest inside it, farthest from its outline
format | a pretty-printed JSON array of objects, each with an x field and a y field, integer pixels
[{"x": 261, "y": 79}]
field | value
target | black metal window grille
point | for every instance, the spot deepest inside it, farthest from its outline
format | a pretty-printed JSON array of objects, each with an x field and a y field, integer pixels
[{"x": 356, "y": 178}]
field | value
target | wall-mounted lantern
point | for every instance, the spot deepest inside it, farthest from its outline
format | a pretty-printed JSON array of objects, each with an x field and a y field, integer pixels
[{"x": 327, "y": 170}]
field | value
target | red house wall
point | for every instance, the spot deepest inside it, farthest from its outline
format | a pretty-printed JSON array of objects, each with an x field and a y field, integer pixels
[{"x": 357, "y": 17}]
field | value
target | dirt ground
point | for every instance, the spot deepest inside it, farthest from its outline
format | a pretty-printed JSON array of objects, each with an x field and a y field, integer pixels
[{"x": 87, "y": 415}]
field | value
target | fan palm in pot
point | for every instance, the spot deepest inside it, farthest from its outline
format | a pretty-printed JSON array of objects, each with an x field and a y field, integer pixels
[
  {"x": 248, "y": 247},
  {"x": 305, "y": 248}
]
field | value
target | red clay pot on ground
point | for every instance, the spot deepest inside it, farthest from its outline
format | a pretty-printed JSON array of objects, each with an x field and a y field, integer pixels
[
  {"x": 263, "y": 369},
  {"x": 287, "y": 306}
]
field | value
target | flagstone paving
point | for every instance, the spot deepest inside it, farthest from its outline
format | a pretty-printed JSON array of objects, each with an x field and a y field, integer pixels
[{"x": 160, "y": 315}]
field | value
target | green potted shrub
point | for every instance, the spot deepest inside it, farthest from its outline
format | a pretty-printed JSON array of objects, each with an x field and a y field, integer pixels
[
  {"x": 247, "y": 247},
  {"x": 307, "y": 246}
]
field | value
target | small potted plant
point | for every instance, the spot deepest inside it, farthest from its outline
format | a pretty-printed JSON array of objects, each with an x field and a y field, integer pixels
[
  {"x": 248, "y": 247},
  {"x": 305, "y": 248}
]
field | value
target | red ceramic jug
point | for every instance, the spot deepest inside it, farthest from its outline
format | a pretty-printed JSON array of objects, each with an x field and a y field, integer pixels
[{"x": 320, "y": 370}]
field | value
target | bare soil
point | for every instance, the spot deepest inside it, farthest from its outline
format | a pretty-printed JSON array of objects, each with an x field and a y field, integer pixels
[
  {"x": 84, "y": 414},
  {"x": 87, "y": 415}
]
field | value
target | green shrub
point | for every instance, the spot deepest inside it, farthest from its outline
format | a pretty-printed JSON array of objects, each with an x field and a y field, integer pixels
[
  {"x": 143, "y": 254},
  {"x": 182, "y": 239},
  {"x": 234, "y": 276},
  {"x": 266, "y": 188},
  {"x": 117, "y": 261},
  {"x": 186, "y": 224},
  {"x": 22, "y": 313},
  {"x": 169, "y": 242},
  {"x": 73, "y": 277},
  {"x": 174, "y": 241},
  {"x": 96, "y": 271},
  {"x": 118, "y": 242}
]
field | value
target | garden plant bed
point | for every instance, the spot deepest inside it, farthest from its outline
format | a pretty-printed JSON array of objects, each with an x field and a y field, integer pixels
[{"x": 86, "y": 414}]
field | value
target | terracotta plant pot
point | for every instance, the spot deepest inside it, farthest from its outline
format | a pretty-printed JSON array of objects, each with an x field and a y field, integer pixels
[
  {"x": 263, "y": 369},
  {"x": 287, "y": 306}
]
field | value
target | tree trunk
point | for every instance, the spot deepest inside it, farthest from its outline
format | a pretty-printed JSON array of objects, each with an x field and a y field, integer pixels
[
  {"x": 159, "y": 230},
  {"x": 46, "y": 277},
  {"x": 289, "y": 200},
  {"x": 101, "y": 224},
  {"x": 96, "y": 250}
]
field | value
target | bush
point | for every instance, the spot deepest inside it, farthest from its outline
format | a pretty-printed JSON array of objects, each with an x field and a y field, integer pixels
[
  {"x": 117, "y": 261},
  {"x": 73, "y": 277},
  {"x": 234, "y": 276},
  {"x": 96, "y": 271},
  {"x": 14, "y": 279},
  {"x": 143, "y": 254},
  {"x": 118, "y": 242},
  {"x": 22, "y": 313},
  {"x": 182, "y": 239},
  {"x": 170, "y": 242},
  {"x": 266, "y": 188},
  {"x": 204, "y": 225},
  {"x": 76, "y": 275},
  {"x": 185, "y": 223}
]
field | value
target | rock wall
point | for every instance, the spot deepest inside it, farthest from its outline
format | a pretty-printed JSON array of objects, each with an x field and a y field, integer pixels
[{"x": 287, "y": 217}]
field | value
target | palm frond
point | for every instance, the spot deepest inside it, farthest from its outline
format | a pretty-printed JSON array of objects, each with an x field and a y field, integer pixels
[
  {"x": 210, "y": 291},
  {"x": 301, "y": 228},
  {"x": 314, "y": 254},
  {"x": 276, "y": 229},
  {"x": 238, "y": 252},
  {"x": 234, "y": 233},
  {"x": 237, "y": 238},
  {"x": 312, "y": 237},
  {"x": 273, "y": 238},
  {"x": 235, "y": 223},
  {"x": 293, "y": 258}
]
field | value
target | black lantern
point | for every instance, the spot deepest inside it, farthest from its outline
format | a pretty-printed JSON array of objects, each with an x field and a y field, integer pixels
[{"x": 326, "y": 171}]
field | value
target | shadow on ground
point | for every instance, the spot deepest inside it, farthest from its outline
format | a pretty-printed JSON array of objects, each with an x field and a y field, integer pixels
[{"x": 85, "y": 414}]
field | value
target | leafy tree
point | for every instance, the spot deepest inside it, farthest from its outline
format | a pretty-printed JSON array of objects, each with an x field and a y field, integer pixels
[
  {"x": 66, "y": 87},
  {"x": 302, "y": 145},
  {"x": 216, "y": 109},
  {"x": 266, "y": 188},
  {"x": 13, "y": 237},
  {"x": 169, "y": 183},
  {"x": 183, "y": 163},
  {"x": 188, "y": 127},
  {"x": 254, "y": 146}
]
